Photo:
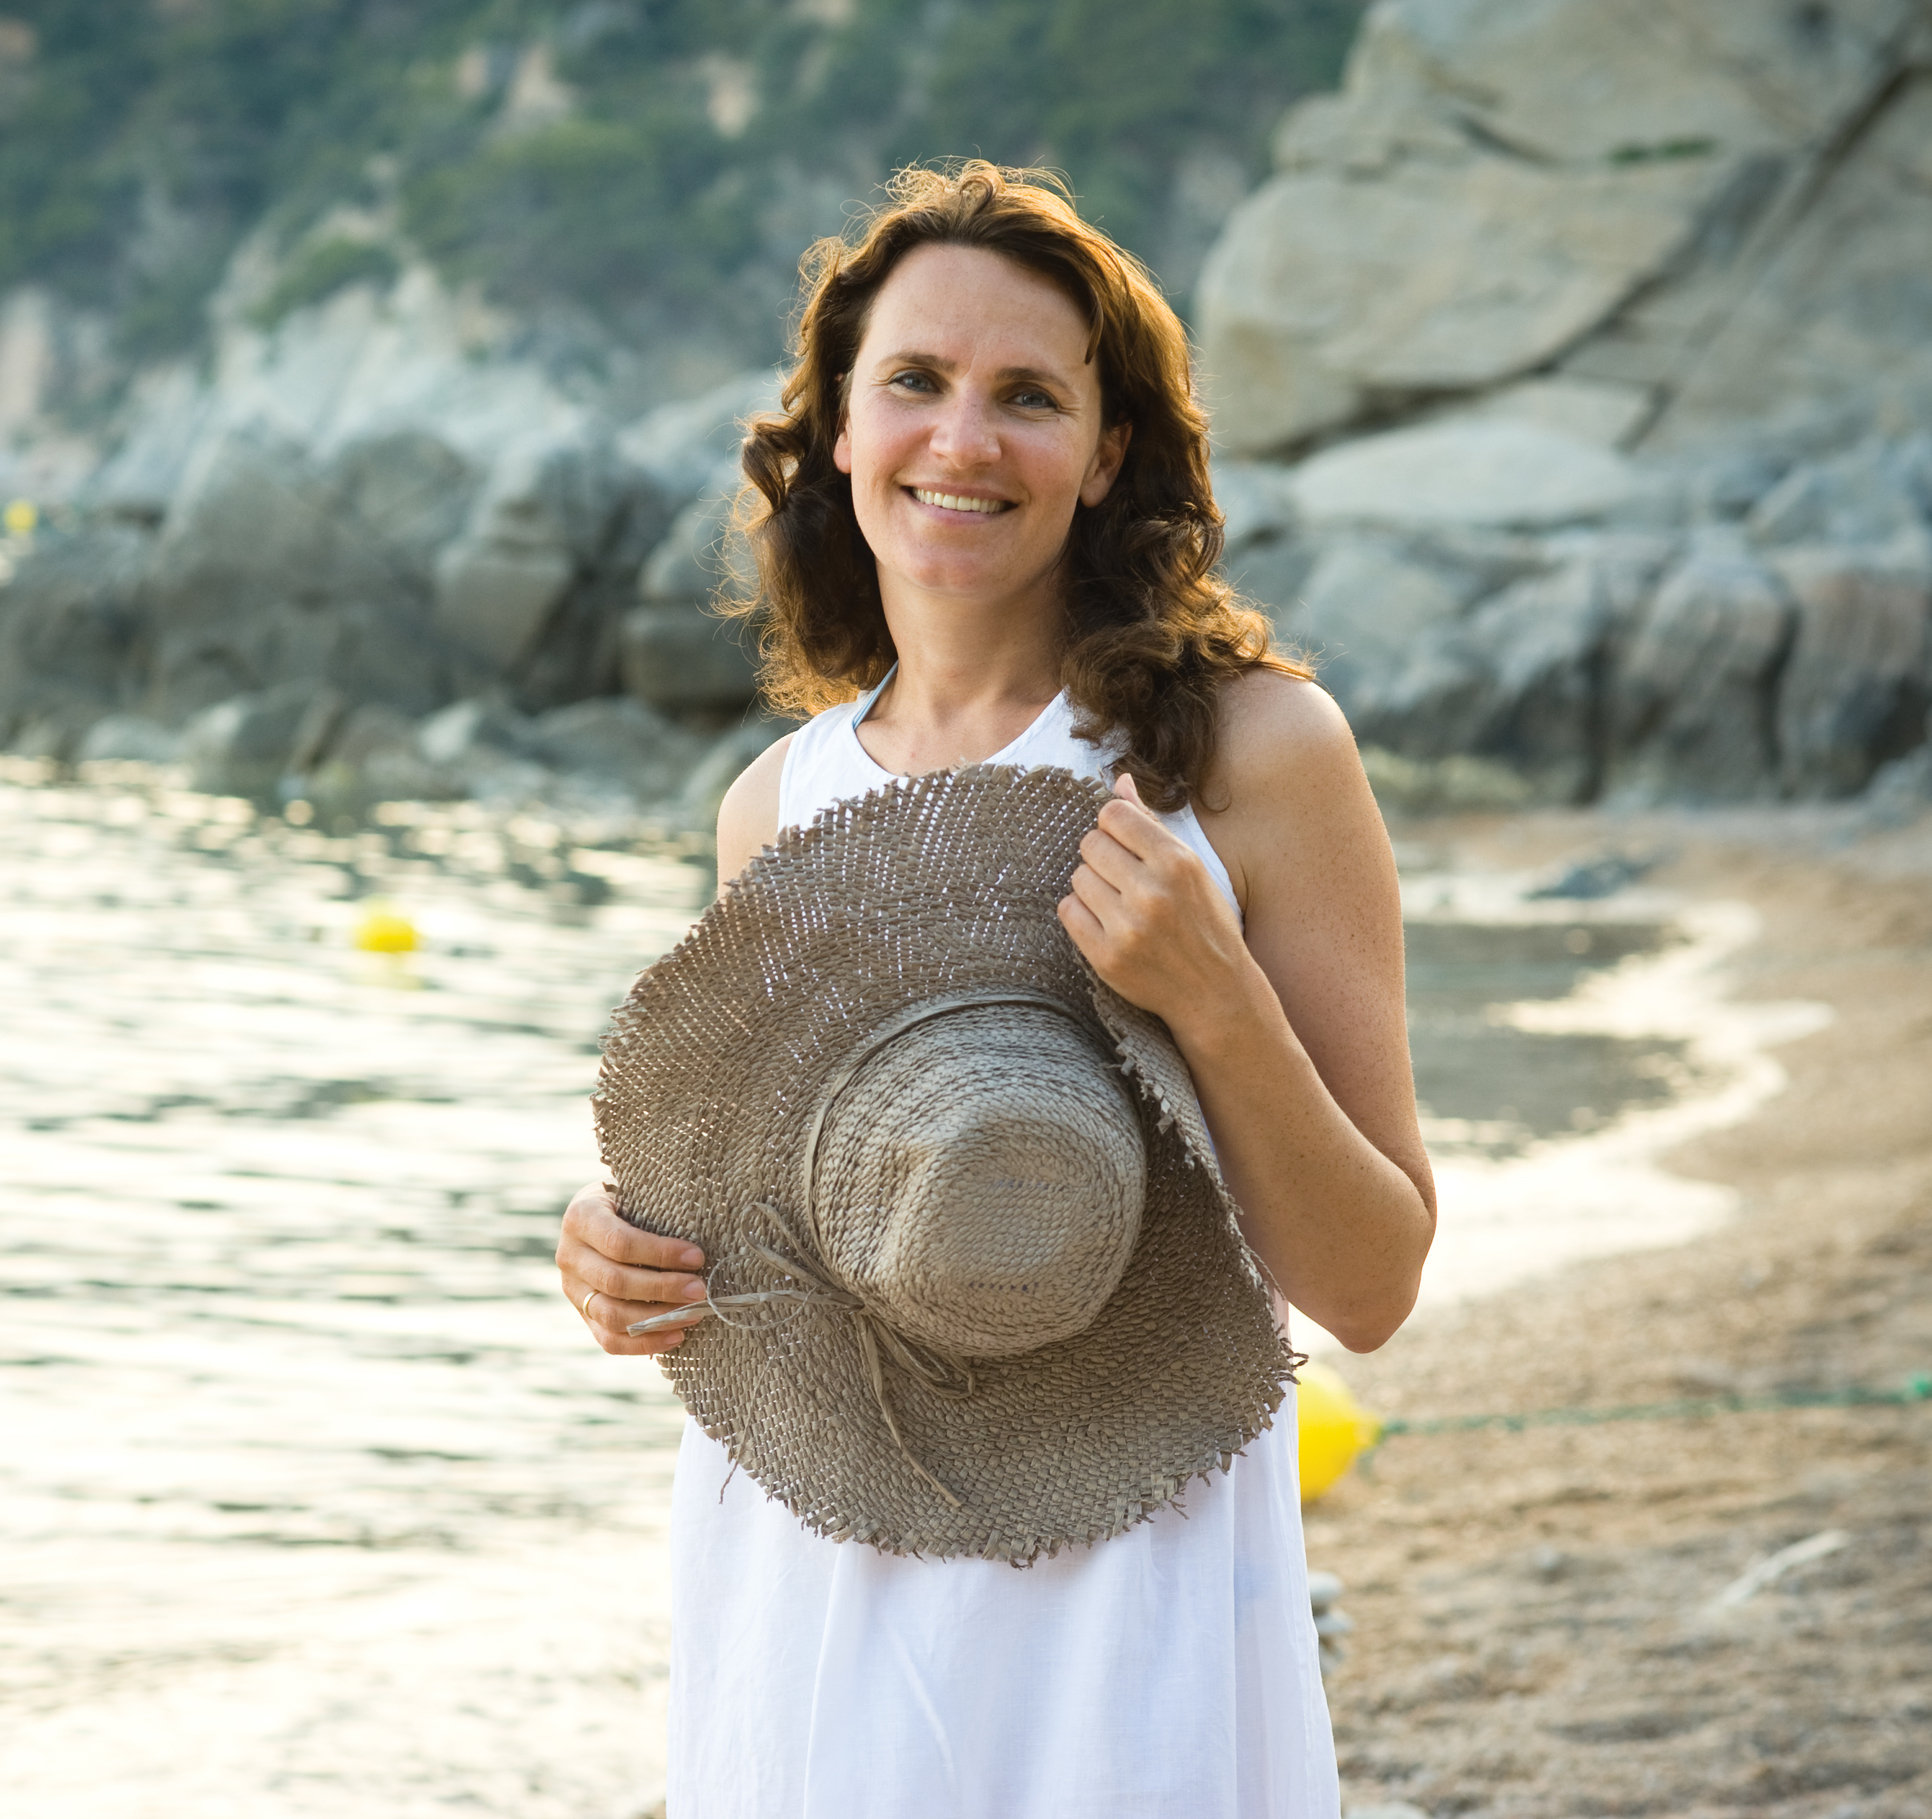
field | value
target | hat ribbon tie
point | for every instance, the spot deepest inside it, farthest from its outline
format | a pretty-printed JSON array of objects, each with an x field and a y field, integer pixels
[{"x": 879, "y": 1340}]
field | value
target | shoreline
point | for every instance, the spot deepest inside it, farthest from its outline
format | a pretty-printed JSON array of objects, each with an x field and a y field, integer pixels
[{"x": 1536, "y": 1627}]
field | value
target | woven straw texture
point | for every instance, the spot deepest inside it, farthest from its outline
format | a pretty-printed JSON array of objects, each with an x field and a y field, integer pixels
[{"x": 731, "y": 1113}]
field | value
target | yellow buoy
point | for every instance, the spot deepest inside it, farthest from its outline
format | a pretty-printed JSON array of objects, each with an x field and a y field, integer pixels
[
  {"x": 382, "y": 931},
  {"x": 21, "y": 517},
  {"x": 1335, "y": 1428}
]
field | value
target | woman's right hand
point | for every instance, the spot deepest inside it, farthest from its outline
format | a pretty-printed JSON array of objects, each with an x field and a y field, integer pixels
[{"x": 615, "y": 1275}]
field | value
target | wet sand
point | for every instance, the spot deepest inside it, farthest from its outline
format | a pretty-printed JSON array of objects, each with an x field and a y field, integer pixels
[
  {"x": 1539, "y": 1625},
  {"x": 318, "y": 1501}
]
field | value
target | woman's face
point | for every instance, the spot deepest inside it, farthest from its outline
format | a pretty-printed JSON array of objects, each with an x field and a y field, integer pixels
[{"x": 973, "y": 429}]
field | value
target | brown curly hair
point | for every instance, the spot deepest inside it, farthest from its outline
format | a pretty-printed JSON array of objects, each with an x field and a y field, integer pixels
[{"x": 1152, "y": 631}]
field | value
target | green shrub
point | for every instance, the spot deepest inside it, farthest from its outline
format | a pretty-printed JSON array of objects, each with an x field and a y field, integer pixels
[{"x": 321, "y": 269}]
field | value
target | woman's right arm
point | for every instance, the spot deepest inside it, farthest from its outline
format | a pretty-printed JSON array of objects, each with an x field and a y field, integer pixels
[{"x": 613, "y": 1274}]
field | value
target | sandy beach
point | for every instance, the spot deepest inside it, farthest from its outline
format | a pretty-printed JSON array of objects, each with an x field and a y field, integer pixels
[
  {"x": 314, "y": 1467},
  {"x": 1542, "y": 1619}
]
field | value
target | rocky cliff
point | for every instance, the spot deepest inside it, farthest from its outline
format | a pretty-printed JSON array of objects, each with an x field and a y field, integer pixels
[{"x": 1571, "y": 375}]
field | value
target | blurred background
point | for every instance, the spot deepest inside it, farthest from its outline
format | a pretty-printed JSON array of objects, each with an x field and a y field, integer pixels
[{"x": 371, "y": 377}]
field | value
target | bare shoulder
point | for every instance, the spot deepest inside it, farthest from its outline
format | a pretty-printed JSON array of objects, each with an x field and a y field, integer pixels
[
  {"x": 1279, "y": 732},
  {"x": 748, "y": 815},
  {"x": 1286, "y": 804}
]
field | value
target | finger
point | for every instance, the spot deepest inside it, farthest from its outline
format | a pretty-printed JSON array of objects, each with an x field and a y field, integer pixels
[
  {"x": 1102, "y": 854},
  {"x": 1127, "y": 789},
  {"x": 584, "y": 1268},
  {"x": 610, "y": 1319},
  {"x": 1085, "y": 929},
  {"x": 592, "y": 1218},
  {"x": 1138, "y": 829},
  {"x": 1099, "y": 894}
]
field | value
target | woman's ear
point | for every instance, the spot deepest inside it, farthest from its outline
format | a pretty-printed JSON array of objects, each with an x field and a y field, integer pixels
[
  {"x": 842, "y": 443},
  {"x": 1104, "y": 469}
]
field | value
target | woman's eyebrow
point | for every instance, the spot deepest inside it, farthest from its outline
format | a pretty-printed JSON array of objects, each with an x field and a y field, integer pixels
[{"x": 1038, "y": 375}]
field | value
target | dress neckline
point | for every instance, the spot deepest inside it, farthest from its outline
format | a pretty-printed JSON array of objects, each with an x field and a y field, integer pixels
[{"x": 857, "y": 718}]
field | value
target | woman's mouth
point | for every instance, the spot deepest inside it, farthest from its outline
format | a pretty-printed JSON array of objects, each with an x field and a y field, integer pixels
[{"x": 959, "y": 502}]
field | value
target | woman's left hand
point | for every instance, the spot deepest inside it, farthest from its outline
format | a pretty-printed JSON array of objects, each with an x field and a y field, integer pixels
[{"x": 1151, "y": 921}]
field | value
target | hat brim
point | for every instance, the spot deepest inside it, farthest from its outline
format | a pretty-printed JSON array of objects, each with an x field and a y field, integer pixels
[{"x": 938, "y": 885}]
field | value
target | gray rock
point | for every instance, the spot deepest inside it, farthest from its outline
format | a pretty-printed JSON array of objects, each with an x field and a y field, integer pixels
[
  {"x": 1255, "y": 501},
  {"x": 407, "y": 493},
  {"x": 1828, "y": 308},
  {"x": 484, "y": 748},
  {"x": 1273, "y": 575},
  {"x": 619, "y": 739},
  {"x": 55, "y": 732},
  {"x": 1859, "y": 680},
  {"x": 358, "y": 756},
  {"x": 1716, "y": 209},
  {"x": 1860, "y": 496},
  {"x": 1515, "y": 681},
  {"x": 1901, "y": 791},
  {"x": 1584, "y": 410},
  {"x": 264, "y": 575},
  {"x": 537, "y": 582},
  {"x": 1462, "y": 472},
  {"x": 682, "y": 445},
  {"x": 1327, "y": 290},
  {"x": 73, "y": 624},
  {"x": 1360, "y": 614},
  {"x": 680, "y": 659},
  {"x": 125, "y": 737},
  {"x": 702, "y": 550},
  {"x": 448, "y": 737},
  {"x": 242, "y": 746},
  {"x": 1691, "y": 697}
]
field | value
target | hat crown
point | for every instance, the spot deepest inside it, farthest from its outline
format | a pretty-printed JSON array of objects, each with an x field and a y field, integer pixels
[{"x": 979, "y": 1179}]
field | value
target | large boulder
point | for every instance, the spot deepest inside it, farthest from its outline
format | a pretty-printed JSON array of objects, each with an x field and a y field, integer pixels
[
  {"x": 1518, "y": 679},
  {"x": 1500, "y": 186},
  {"x": 1364, "y": 606},
  {"x": 1827, "y": 316},
  {"x": 681, "y": 446},
  {"x": 72, "y": 628},
  {"x": 247, "y": 745},
  {"x": 273, "y": 567},
  {"x": 1693, "y": 701},
  {"x": 1859, "y": 680},
  {"x": 1329, "y": 294},
  {"x": 1482, "y": 473},
  {"x": 680, "y": 659},
  {"x": 1866, "y": 494},
  {"x": 534, "y": 587}
]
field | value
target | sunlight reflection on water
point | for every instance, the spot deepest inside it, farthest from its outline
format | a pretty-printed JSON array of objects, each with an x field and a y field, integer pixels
[{"x": 317, "y": 1498}]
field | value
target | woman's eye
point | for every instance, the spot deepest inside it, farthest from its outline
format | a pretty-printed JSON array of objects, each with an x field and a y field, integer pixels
[
  {"x": 1036, "y": 401},
  {"x": 912, "y": 382}
]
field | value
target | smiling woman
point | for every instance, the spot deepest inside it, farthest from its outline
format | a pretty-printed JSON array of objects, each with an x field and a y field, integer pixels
[
  {"x": 1096, "y": 362},
  {"x": 986, "y": 547}
]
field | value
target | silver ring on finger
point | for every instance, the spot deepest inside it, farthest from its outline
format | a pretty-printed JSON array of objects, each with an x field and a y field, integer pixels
[{"x": 583, "y": 1307}]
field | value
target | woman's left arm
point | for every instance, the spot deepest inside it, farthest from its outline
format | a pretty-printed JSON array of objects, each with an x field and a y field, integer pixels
[{"x": 1294, "y": 1028}]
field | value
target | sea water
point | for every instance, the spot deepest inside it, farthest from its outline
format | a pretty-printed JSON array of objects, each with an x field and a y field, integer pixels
[{"x": 315, "y": 1496}]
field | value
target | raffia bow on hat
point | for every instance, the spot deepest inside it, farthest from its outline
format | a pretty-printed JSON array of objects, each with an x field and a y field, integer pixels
[{"x": 978, "y": 1288}]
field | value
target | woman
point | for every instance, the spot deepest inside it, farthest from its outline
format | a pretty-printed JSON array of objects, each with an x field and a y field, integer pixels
[{"x": 987, "y": 535}]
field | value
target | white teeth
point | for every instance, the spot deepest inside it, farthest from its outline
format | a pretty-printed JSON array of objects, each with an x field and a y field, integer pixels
[{"x": 956, "y": 502}]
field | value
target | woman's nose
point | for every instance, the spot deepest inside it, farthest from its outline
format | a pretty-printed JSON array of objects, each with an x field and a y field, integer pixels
[{"x": 966, "y": 432}]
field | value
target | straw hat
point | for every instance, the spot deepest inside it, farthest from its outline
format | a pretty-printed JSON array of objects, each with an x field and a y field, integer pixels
[{"x": 977, "y": 1284}]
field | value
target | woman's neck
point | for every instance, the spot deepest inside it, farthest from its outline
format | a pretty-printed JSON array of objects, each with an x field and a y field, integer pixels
[{"x": 969, "y": 682}]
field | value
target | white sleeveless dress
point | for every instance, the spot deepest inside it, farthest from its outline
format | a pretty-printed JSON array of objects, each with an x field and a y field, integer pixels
[{"x": 1168, "y": 1672}]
